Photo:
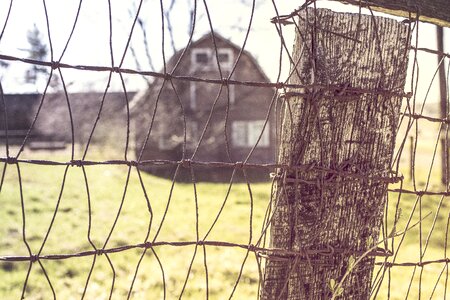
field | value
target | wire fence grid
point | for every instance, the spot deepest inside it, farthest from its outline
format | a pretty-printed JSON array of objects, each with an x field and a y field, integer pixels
[{"x": 411, "y": 259}]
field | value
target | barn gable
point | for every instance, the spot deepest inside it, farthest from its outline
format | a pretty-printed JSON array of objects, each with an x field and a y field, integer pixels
[{"x": 220, "y": 122}]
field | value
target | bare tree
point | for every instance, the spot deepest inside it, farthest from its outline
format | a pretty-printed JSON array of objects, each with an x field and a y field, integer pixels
[{"x": 38, "y": 50}]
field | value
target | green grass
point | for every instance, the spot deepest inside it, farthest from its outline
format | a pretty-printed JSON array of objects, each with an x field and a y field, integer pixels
[
  {"x": 69, "y": 234},
  {"x": 41, "y": 187}
]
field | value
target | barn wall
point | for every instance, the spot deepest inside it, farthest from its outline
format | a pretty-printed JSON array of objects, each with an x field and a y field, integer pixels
[{"x": 251, "y": 103}]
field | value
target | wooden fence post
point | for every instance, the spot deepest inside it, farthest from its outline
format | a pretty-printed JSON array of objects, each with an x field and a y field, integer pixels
[
  {"x": 443, "y": 106},
  {"x": 337, "y": 138}
]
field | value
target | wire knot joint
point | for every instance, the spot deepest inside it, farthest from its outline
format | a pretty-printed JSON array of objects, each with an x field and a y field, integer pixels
[
  {"x": 55, "y": 65},
  {"x": 239, "y": 165},
  {"x": 11, "y": 160},
  {"x": 186, "y": 163},
  {"x": 76, "y": 163}
]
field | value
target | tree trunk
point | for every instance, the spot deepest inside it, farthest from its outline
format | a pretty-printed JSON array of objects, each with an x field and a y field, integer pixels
[{"x": 338, "y": 139}]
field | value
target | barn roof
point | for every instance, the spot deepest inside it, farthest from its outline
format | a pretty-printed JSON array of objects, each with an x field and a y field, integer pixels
[
  {"x": 235, "y": 46},
  {"x": 139, "y": 97}
]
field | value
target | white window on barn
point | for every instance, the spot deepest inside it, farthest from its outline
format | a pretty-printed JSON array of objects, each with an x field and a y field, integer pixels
[
  {"x": 205, "y": 58},
  {"x": 226, "y": 60},
  {"x": 254, "y": 131},
  {"x": 239, "y": 133},
  {"x": 201, "y": 58},
  {"x": 225, "y": 56},
  {"x": 246, "y": 133}
]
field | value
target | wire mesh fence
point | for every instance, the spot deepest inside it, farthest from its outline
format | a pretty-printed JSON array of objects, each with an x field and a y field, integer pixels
[{"x": 327, "y": 179}]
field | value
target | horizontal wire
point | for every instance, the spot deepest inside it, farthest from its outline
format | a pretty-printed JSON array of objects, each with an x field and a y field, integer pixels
[
  {"x": 428, "y": 118},
  {"x": 187, "y": 163},
  {"x": 432, "y": 51},
  {"x": 224, "y": 81},
  {"x": 327, "y": 251},
  {"x": 419, "y": 193},
  {"x": 414, "y": 264}
]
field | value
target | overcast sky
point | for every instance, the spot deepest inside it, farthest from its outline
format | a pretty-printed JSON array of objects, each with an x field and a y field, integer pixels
[{"x": 90, "y": 42}]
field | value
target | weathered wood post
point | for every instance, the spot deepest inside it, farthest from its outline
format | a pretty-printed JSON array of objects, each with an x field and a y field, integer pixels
[
  {"x": 337, "y": 139},
  {"x": 443, "y": 105}
]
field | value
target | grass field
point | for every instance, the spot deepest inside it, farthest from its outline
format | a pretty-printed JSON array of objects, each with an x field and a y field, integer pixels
[{"x": 41, "y": 187}]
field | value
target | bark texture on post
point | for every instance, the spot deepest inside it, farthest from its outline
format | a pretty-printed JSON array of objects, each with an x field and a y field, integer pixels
[{"x": 339, "y": 139}]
